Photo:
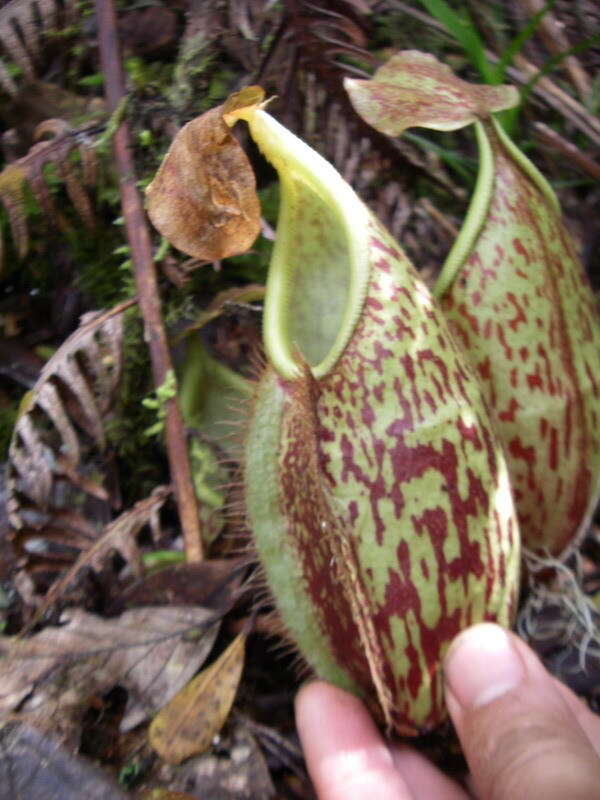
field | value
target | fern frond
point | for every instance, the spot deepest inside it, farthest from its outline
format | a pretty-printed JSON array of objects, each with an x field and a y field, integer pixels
[
  {"x": 22, "y": 26},
  {"x": 56, "y": 461},
  {"x": 30, "y": 169},
  {"x": 12, "y": 179}
]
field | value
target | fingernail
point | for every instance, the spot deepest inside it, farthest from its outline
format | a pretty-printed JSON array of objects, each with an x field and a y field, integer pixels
[{"x": 481, "y": 665}]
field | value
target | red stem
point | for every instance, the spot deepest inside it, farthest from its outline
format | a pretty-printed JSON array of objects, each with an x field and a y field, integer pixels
[{"x": 146, "y": 282}]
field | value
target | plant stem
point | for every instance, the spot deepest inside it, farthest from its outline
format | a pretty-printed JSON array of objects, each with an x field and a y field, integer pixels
[{"x": 146, "y": 282}]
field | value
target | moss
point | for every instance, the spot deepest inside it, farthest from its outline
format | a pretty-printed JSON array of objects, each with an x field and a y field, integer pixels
[
  {"x": 8, "y": 418},
  {"x": 141, "y": 461}
]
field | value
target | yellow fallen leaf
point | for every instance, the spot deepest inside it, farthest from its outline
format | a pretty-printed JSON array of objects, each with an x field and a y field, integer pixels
[
  {"x": 188, "y": 723},
  {"x": 164, "y": 794}
]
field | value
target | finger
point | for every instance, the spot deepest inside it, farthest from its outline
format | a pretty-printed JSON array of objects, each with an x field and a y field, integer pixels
[
  {"x": 345, "y": 754},
  {"x": 589, "y": 722},
  {"x": 422, "y": 778},
  {"x": 520, "y": 736}
]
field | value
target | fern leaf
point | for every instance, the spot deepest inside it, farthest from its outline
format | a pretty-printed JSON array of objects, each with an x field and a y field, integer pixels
[
  {"x": 6, "y": 81},
  {"x": 55, "y": 457},
  {"x": 22, "y": 25},
  {"x": 12, "y": 179},
  {"x": 119, "y": 535},
  {"x": 30, "y": 169}
]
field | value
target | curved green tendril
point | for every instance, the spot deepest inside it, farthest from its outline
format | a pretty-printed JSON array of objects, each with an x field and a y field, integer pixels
[{"x": 476, "y": 214}]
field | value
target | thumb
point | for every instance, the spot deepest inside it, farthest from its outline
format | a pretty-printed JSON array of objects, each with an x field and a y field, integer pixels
[{"x": 523, "y": 733}]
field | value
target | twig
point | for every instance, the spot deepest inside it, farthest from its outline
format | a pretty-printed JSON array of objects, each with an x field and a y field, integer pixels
[
  {"x": 147, "y": 286},
  {"x": 555, "y": 40},
  {"x": 574, "y": 155},
  {"x": 441, "y": 219},
  {"x": 558, "y": 99}
]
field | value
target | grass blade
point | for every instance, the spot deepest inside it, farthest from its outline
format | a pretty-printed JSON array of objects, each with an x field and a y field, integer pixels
[
  {"x": 464, "y": 167},
  {"x": 519, "y": 40},
  {"x": 461, "y": 26}
]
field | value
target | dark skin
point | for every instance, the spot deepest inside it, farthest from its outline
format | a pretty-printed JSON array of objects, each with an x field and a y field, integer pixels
[{"x": 525, "y": 735}]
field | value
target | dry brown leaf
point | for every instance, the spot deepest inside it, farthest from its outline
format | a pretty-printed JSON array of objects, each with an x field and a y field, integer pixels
[
  {"x": 151, "y": 652},
  {"x": 147, "y": 31},
  {"x": 237, "y": 770},
  {"x": 119, "y": 536},
  {"x": 33, "y": 765},
  {"x": 212, "y": 583},
  {"x": 56, "y": 150},
  {"x": 188, "y": 724},
  {"x": 89, "y": 365},
  {"x": 203, "y": 198}
]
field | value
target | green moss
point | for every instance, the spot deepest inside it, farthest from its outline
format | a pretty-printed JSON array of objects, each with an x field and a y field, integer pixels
[
  {"x": 148, "y": 76},
  {"x": 193, "y": 64},
  {"x": 8, "y": 419},
  {"x": 141, "y": 461}
]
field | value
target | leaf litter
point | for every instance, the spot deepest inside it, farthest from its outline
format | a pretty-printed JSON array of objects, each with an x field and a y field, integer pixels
[
  {"x": 34, "y": 765},
  {"x": 213, "y": 583},
  {"x": 48, "y": 679},
  {"x": 187, "y": 725},
  {"x": 235, "y": 769}
]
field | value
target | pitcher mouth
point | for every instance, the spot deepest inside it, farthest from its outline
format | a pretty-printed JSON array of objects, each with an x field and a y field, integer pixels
[{"x": 319, "y": 269}]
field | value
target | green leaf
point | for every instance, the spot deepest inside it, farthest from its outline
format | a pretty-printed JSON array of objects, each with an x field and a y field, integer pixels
[
  {"x": 461, "y": 27},
  {"x": 211, "y": 395},
  {"x": 92, "y": 80},
  {"x": 158, "y": 400}
]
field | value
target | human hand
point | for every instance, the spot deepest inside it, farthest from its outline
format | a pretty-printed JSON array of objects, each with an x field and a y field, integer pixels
[{"x": 524, "y": 734}]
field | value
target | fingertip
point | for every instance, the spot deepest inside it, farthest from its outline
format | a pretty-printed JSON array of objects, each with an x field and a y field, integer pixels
[
  {"x": 481, "y": 665},
  {"x": 423, "y": 778},
  {"x": 345, "y": 753},
  {"x": 318, "y": 702},
  {"x": 306, "y": 690},
  {"x": 519, "y": 732},
  {"x": 330, "y": 718}
]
